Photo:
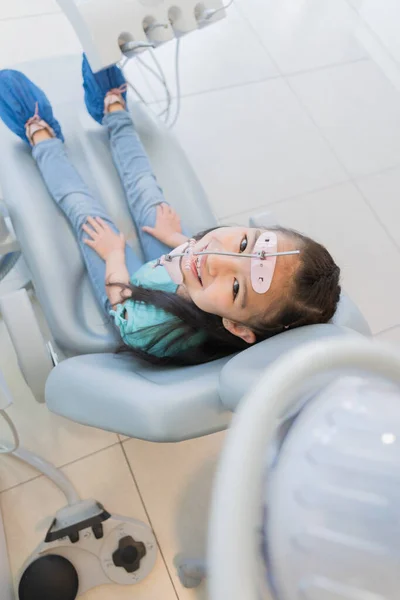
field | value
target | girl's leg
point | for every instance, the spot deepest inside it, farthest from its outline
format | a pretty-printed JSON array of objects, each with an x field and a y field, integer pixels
[
  {"x": 26, "y": 110},
  {"x": 141, "y": 188},
  {"x": 143, "y": 194},
  {"x": 77, "y": 202}
]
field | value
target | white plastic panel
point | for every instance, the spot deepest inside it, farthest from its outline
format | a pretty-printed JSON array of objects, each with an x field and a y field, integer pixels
[{"x": 102, "y": 25}]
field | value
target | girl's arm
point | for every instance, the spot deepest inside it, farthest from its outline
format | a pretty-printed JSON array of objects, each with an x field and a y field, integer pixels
[
  {"x": 116, "y": 273},
  {"x": 110, "y": 246}
]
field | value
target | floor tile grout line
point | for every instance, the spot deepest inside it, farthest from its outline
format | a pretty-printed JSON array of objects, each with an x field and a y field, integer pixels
[
  {"x": 374, "y": 34},
  {"x": 376, "y": 215},
  {"x": 67, "y": 464},
  {"x": 287, "y": 199},
  {"x": 332, "y": 65},
  {"x": 285, "y": 77},
  {"x": 257, "y": 81},
  {"x": 148, "y": 516},
  {"x": 386, "y": 330},
  {"x": 301, "y": 103},
  {"x": 380, "y": 42},
  {"x": 350, "y": 179},
  {"x": 121, "y": 445},
  {"x": 31, "y": 16},
  {"x": 222, "y": 88}
]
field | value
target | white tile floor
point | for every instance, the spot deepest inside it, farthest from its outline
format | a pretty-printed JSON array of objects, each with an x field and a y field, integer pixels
[{"x": 294, "y": 104}]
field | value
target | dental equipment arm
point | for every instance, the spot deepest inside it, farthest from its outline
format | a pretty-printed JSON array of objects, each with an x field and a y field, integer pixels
[{"x": 103, "y": 27}]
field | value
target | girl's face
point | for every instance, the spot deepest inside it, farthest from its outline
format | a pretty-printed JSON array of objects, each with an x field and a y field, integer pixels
[{"x": 224, "y": 286}]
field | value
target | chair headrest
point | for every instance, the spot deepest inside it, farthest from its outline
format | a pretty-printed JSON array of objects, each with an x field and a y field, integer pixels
[{"x": 243, "y": 370}]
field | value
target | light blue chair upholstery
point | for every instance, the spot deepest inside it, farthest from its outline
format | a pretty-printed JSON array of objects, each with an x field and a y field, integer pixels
[{"x": 92, "y": 385}]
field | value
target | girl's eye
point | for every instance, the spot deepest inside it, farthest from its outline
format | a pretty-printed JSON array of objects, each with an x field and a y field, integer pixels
[
  {"x": 243, "y": 244},
  {"x": 235, "y": 288}
]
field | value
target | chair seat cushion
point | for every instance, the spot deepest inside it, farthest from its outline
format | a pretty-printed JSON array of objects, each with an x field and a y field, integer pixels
[{"x": 119, "y": 394}]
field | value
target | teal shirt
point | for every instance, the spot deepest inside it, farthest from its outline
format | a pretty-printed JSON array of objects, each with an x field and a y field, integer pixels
[{"x": 132, "y": 318}]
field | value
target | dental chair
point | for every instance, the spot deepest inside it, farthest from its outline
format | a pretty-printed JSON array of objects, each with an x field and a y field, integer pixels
[{"x": 91, "y": 385}]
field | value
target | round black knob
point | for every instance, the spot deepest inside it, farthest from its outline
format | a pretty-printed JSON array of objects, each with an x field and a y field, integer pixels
[
  {"x": 50, "y": 576},
  {"x": 129, "y": 554}
]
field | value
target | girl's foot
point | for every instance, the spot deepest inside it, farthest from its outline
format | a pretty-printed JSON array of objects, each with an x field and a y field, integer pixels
[
  {"x": 25, "y": 108},
  {"x": 105, "y": 91}
]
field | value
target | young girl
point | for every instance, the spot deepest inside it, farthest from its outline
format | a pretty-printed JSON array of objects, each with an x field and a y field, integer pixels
[{"x": 192, "y": 308}]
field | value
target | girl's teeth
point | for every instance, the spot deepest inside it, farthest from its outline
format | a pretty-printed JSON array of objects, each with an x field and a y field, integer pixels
[{"x": 198, "y": 267}]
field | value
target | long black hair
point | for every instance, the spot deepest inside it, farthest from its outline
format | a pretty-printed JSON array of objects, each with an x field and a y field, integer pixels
[{"x": 311, "y": 297}]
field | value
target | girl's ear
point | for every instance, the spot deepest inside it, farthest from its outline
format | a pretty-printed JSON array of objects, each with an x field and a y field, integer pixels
[{"x": 240, "y": 330}]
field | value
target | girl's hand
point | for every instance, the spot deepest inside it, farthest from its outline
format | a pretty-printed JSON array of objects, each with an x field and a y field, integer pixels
[
  {"x": 167, "y": 228},
  {"x": 102, "y": 238}
]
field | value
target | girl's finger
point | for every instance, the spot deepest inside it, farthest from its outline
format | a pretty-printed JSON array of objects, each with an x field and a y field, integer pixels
[
  {"x": 90, "y": 243},
  {"x": 90, "y": 231},
  {"x": 148, "y": 229},
  {"x": 102, "y": 223},
  {"x": 96, "y": 226}
]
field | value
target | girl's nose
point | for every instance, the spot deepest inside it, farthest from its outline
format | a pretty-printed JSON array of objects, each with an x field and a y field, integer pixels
[{"x": 217, "y": 265}]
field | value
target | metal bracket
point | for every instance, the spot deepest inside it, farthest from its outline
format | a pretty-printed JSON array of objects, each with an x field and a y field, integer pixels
[{"x": 8, "y": 241}]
